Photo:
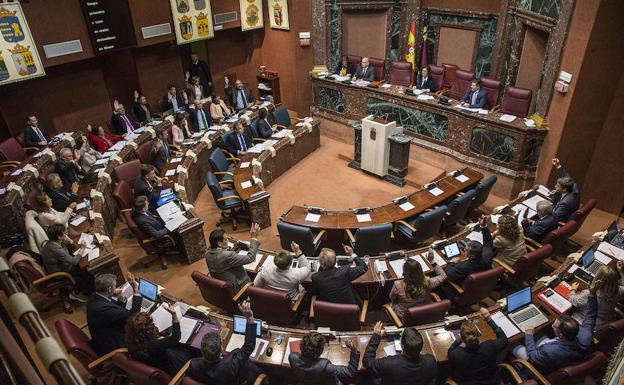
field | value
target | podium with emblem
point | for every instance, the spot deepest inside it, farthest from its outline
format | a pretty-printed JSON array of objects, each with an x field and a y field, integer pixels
[{"x": 381, "y": 149}]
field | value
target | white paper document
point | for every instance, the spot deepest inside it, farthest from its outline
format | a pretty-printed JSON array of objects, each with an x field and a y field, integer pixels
[
  {"x": 85, "y": 239},
  {"x": 476, "y": 236},
  {"x": 573, "y": 268},
  {"x": 17, "y": 172},
  {"x": 533, "y": 201},
  {"x": 407, "y": 206},
  {"x": 187, "y": 325},
  {"x": 238, "y": 340},
  {"x": 363, "y": 218},
  {"x": 495, "y": 217},
  {"x": 244, "y": 165},
  {"x": 246, "y": 184},
  {"x": 168, "y": 210},
  {"x": 425, "y": 97},
  {"x": 543, "y": 190},
  {"x": 520, "y": 209},
  {"x": 507, "y": 118},
  {"x": 390, "y": 350},
  {"x": 609, "y": 249},
  {"x": 176, "y": 160},
  {"x": 436, "y": 191},
  {"x": 254, "y": 265},
  {"x": 170, "y": 172},
  {"x": 483, "y": 112},
  {"x": 282, "y": 134},
  {"x": 386, "y": 85},
  {"x": 505, "y": 324},
  {"x": 103, "y": 161},
  {"x": 78, "y": 219},
  {"x": 83, "y": 205},
  {"x": 93, "y": 254},
  {"x": 397, "y": 266},
  {"x": 312, "y": 217},
  {"x": 381, "y": 266},
  {"x": 462, "y": 178},
  {"x": 423, "y": 264},
  {"x": 437, "y": 258},
  {"x": 173, "y": 223},
  {"x": 529, "y": 122}
]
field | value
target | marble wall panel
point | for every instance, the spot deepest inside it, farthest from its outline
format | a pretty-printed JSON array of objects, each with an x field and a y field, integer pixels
[
  {"x": 534, "y": 146},
  {"x": 420, "y": 122},
  {"x": 548, "y": 8},
  {"x": 331, "y": 99},
  {"x": 395, "y": 29},
  {"x": 335, "y": 35},
  {"x": 493, "y": 144}
]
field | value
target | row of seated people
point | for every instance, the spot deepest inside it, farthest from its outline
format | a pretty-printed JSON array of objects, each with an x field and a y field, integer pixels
[{"x": 448, "y": 80}]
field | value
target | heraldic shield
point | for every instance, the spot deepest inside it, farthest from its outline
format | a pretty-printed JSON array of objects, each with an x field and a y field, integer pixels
[
  {"x": 186, "y": 27},
  {"x": 23, "y": 60},
  {"x": 200, "y": 5},
  {"x": 11, "y": 29},
  {"x": 203, "y": 26},
  {"x": 182, "y": 6},
  {"x": 252, "y": 15},
  {"x": 4, "y": 72}
]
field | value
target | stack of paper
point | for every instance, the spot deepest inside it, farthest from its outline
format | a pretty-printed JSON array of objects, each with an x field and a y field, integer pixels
[
  {"x": 238, "y": 340},
  {"x": 282, "y": 133},
  {"x": 462, "y": 178},
  {"x": 187, "y": 326},
  {"x": 611, "y": 250},
  {"x": 532, "y": 202},
  {"x": 172, "y": 215},
  {"x": 436, "y": 191},
  {"x": 507, "y": 118},
  {"x": 93, "y": 254},
  {"x": 397, "y": 266},
  {"x": 407, "y": 206},
  {"x": 363, "y": 218},
  {"x": 77, "y": 220},
  {"x": 425, "y": 97},
  {"x": 312, "y": 217},
  {"x": 86, "y": 239},
  {"x": 505, "y": 324}
]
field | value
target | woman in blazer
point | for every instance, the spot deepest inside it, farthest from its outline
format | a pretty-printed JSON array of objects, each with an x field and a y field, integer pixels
[
  {"x": 424, "y": 81},
  {"x": 101, "y": 139},
  {"x": 509, "y": 239},
  {"x": 180, "y": 129},
  {"x": 218, "y": 110}
]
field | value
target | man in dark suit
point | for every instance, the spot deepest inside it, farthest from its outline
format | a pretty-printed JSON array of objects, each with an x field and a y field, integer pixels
[
  {"x": 238, "y": 142},
  {"x": 544, "y": 224},
  {"x": 173, "y": 101},
  {"x": 240, "y": 97},
  {"x": 106, "y": 317},
  {"x": 149, "y": 184},
  {"x": 68, "y": 168},
  {"x": 200, "y": 117},
  {"x": 150, "y": 224},
  {"x": 364, "y": 71},
  {"x": 160, "y": 151},
  {"x": 60, "y": 197},
  {"x": 333, "y": 284},
  {"x": 200, "y": 68},
  {"x": 122, "y": 121},
  {"x": 475, "y": 97},
  {"x": 424, "y": 81},
  {"x": 33, "y": 135},
  {"x": 235, "y": 368},
  {"x": 567, "y": 195},
  {"x": 408, "y": 367},
  {"x": 262, "y": 124}
]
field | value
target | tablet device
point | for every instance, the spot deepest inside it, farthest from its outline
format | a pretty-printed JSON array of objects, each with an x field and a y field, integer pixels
[
  {"x": 240, "y": 324},
  {"x": 148, "y": 289},
  {"x": 451, "y": 250}
]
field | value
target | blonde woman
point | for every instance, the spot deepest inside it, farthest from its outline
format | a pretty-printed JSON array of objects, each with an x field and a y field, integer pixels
[
  {"x": 414, "y": 288},
  {"x": 609, "y": 290},
  {"x": 509, "y": 239},
  {"x": 48, "y": 216}
]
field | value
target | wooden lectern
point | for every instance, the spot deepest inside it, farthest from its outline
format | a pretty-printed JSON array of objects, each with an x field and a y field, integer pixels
[{"x": 375, "y": 144}]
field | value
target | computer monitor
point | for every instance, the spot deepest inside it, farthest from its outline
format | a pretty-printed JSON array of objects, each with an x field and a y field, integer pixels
[
  {"x": 518, "y": 299},
  {"x": 451, "y": 250},
  {"x": 240, "y": 325},
  {"x": 148, "y": 289},
  {"x": 588, "y": 257}
]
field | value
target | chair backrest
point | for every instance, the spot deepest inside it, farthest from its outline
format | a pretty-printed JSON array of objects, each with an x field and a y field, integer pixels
[
  {"x": 517, "y": 101},
  {"x": 609, "y": 336},
  {"x": 483, "y": 192},
  {"x": 373, "y": 240},
  {"x": 303, "y": 236},
  {"x": 575, "y": 374},
  {"x": 123, "y": 195},
  {"x": 10, "y": 149},
  {"x": 128, "y": 171},
  {"x": 378, "y": 66},
  {"x": 428, "y": 224},
  {"x": 217, "y": 160},
  {"x": 528, "y": 265},
  {"x": 281, "y": 116},
  {"x": 143, "y": 152},
  {"x": 337, "y": 316},
  {"x": 20, "y": 139},
  {"x": 492, "y": 87},
  {"x": 140, "y": 373},
  {"x": 449, "y": 74},
  {"x": 426, "y": 314},
  {"x": 215, "y": 291},
  {"x": 558, "y": 237},
  {"x": 272, "y": 306},
  {"x": 581, "y": 214},
  {"x": 77, "y": 343},
  {"x": 215, "y": 189},
  {"x": 402, "y": 74},
  {"x": 139, "y": 235},
  {"x": 461, "y": 83},
  {"x": 437, "y": 73},
  {"x": 354, "y": 60},
  {"x": 478, "y": 286},
  {"x": 27, "y": 271},
  {"x": 458, "y": 208},
  {"x": 31, "y": 199}
]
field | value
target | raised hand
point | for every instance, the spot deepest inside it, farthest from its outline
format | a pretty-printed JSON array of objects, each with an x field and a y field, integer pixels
[
  {"x": 378, "y": 329},
  {"x": 430, "y": 256},
  {"x": 295, "y": 248},
  {"x": 348, "y": 250},
  {"x": 187, "y": 76},
  {"x": 245, "y": 309},
  {"x": 483, "y": 221},
  {"x": 136, "y": 94},
  {"x": 485, "y": 313},
  {"x": 351, "y": 345},
  {"x": 133, "y": 282},
  {"x": 255, "y": 230}
]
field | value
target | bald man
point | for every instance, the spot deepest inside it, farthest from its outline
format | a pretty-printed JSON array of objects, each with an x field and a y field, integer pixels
[{"x": 364, "y": 71}]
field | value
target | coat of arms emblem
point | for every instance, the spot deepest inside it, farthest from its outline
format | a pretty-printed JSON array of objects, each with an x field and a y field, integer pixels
[
  {"x": 252, "y": 14},
  {"x": 203, "y": 24},
  {"x": 277, "y": 13},
  {"x": 10, "y": 26},
  {"x": 23, "y": 60},
  {"x": 4, "y": 72},
  {"x": 186, "y": 27},
  {"x": 200, "y": 5}
]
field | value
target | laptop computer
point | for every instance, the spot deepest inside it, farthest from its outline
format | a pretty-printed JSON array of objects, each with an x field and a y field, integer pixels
[
  {"x": 149, "y": 292},
  {"x": 590, "y": 263},
  {"x": 522, "y": 312}
]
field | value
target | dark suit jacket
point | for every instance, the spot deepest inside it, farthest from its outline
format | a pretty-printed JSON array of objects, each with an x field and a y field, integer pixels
[
  {"x": 167, "y": 105},
  {"x": 481, "y": 98},
  {"x": 428, "y": 84},
  {"x": 31, "y": 139},
  {"x": 232, "y": 93},
  {"x": 540, "y": 228},
  {"x": 61, "y": 199},
  {"x": 457, "y": 272},
  {"x": 263, "y": 128},
  {"x": 399, "y": 369},
  {"x": 232, "y": 143},
  {"x": 564, "y": 206},
  {"x": 119, "y": 126},
  {"x": 141, "y": 187},
  {"x": 202, "y": 70},
  {"x": 195, "y": 118},
  {"x": 106, "y": 320},
  {"x": 368, "y": 75},
  {"x": 140, "y": 112},
  {"x": 350, "y": 69},
  {"x": 235, "y": 368},
  {"x": 160, "y": 158},
  {"x": 334, "y": 284},
  {"x": 68, "y": 173},
  {"x": 150, "y": 224}
]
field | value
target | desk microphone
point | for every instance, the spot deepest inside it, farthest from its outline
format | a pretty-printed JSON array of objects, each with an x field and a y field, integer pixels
[
  {"x": 316, "y": 210},
  {"x": 361, "y": 210},
  {"x": 400, "y": 200},
  {"x": 430, "y": 186}
]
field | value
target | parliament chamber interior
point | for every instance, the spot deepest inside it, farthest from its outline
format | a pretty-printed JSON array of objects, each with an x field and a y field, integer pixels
[{"x": 315, "y": 192}]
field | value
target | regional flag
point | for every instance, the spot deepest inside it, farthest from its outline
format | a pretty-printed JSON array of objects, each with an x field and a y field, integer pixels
[{"x": 410, "y": 56}]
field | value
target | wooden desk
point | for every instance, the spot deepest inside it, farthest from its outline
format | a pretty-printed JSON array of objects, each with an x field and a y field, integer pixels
[
  {"x": 422, "y": 200},
  {"x": 483, "y": 141}
]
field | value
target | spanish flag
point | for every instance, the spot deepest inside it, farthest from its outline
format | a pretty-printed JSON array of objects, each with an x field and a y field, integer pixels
[{"x": 410, "y": 56}]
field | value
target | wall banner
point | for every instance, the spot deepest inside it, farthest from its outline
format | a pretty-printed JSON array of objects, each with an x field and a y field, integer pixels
[
  {"x": 278, "y": 14},
  {"x": 19, "y": 59},
  {"x": 251, "y": 13},
  {"x": 192, "y": 20}
]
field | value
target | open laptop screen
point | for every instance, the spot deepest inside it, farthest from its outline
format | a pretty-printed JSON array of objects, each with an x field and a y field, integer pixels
[
  {"x": 148, "y": 289},
  {"x": 451, "y": 250},
  {"x": 518, "y": 299},
  {"x": 588, "y": 257},
  {"x": 240, "y": 324}
]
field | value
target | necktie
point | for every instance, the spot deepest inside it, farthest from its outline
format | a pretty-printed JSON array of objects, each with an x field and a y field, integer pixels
[
  {"x": 129, "y": 126},
  {"x": 243, "y": 98},
  {"x": 203, "y": 117},
  {"x": 39, "y": 134},
  {"x": 474, "y": 98},
  {"x": 174, "y": 103},
  {"x": 166, "y": 149},
  {"x": 242, "y": 142}
]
